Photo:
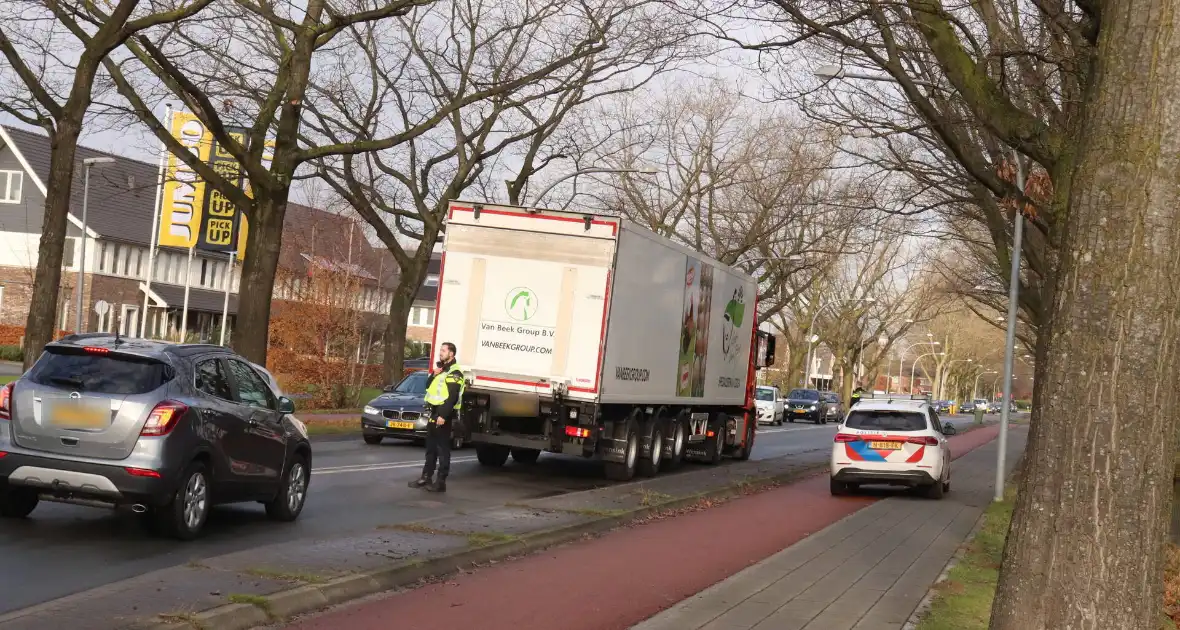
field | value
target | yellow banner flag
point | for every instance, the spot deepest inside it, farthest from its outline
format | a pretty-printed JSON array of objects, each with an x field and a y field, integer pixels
[{"x": 184, "y": 191}]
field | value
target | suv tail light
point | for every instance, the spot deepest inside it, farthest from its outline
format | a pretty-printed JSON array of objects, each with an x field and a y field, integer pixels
[
  {"x": 927, "y": 440},
  {"x": 847, "y": 437},
  {"x": 163, "y": 418},
  {"x": 6, "y": 401}
]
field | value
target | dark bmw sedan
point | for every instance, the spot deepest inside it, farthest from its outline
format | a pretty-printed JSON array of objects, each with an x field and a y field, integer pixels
[{"x": 400, "y": 413}]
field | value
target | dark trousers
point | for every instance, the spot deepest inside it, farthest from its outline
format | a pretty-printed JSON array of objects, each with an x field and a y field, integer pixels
[{"x": 438, "y": 450}]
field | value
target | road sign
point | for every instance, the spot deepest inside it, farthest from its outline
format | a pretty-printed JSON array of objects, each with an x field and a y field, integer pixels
[{"x": 102, "y": 307}]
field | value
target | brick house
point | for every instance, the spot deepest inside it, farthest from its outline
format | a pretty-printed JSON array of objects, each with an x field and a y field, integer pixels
[{"x": 122, "y": 197}]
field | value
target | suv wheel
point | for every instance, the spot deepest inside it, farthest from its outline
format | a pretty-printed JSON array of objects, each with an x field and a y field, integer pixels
[
  {"x": 17, "y": 502},
  {"x": 186, "y": 513},
  {"x": 293, "y": 494},
  {"x": 373, "y": 439}
]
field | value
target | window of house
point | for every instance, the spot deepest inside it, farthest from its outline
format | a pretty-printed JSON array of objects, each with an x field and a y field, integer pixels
[
  {"x": 10, "y": 186},
  {"x": 429, "y": 316},
  {"x": 67, "y": 255},
  {"x": 432, "y": 280},
  {"x": 102, "y": 256}
]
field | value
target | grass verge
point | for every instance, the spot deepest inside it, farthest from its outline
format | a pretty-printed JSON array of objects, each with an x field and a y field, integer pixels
[{"x": 964, "y": 600}]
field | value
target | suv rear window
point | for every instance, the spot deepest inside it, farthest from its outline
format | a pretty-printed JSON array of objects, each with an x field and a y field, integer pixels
[
  {"x": 886, "y": 420},
  {"x": 99, "y": 373}
]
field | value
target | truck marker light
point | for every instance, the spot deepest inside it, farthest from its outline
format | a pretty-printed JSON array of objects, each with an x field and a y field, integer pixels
[{"x": 710, "y": 434}]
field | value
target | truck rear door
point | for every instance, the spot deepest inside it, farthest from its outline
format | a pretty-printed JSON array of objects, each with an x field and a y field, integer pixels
[{"x": 524, "y": 295}]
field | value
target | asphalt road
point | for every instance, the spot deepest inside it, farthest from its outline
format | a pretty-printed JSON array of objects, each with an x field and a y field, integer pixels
[{"x": 63, "y": 549}]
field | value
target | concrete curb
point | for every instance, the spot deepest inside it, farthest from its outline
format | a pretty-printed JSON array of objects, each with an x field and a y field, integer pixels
[
  {"x": 928, "y": 600},
  {"x": 313, "y": 597}
]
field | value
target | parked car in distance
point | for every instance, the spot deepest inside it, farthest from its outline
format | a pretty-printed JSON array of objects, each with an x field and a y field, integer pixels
[
  {"x": 400, "y": 413},
  {"x": 806, "y": 404},
  {"x": 891, "y": 442},
  {"x": 769, "y": 405},
  {"x": 166, "y": 429},
  {"x": 833, "y": 408}
]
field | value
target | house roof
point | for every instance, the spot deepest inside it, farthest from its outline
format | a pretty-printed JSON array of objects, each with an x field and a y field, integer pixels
[
  {"x": 123, "y": 198},
  {"x": 121, "y": 194}
]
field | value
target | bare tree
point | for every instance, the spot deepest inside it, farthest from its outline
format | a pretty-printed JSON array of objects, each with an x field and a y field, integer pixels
[
  {"x": 259, "y": 65},
  {"x": 54, "y": 51},
  {"x": 438, "y": 57},
  {"x": 743, "y": 183}
]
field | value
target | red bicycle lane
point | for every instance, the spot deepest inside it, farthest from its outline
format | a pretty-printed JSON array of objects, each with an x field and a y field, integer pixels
[{"x": 622, "y": 577}]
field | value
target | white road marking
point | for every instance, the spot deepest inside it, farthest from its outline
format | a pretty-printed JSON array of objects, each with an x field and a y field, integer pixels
[
  {"x": 335, "y": 470},
  {"x": 789, "y": 429}
]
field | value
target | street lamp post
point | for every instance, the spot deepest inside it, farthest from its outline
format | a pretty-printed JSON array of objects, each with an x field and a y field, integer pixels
[
  {"x": 975, "y": 388},
  {"x": 811, "y": 328},
  {"x": 914, "y": 367},
  {"x": 832, "y": 71},
  {"x": 947, "y": 371},
  {"x": 591, "y": 171},
  {"x": 901, "y": 361},
  {"x": 80, "y": 307}
]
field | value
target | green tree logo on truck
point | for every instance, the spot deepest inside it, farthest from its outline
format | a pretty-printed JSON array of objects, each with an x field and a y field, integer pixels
[
  {"x": 735, "y": 314},
  {"x": 521, "y": 304}
]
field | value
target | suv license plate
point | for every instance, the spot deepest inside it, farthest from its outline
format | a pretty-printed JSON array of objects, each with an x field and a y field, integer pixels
[{"x": 72, "y": 413}]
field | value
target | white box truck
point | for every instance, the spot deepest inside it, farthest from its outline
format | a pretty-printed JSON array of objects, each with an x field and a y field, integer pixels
[{"x": 594, "y": 337}]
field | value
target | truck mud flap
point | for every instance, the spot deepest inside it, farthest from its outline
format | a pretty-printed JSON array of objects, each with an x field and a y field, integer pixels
[{"x": 613, "y": 450}]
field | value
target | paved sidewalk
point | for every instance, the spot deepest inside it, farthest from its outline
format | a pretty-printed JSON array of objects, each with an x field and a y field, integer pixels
[{"x": 868, "y": 571}]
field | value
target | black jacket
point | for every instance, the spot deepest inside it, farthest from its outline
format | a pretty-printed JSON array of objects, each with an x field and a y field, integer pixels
[{"x": 447, "y": 409}]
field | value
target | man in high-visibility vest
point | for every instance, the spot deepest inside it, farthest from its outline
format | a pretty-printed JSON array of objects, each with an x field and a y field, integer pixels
[{"x": 444, "y": 396}]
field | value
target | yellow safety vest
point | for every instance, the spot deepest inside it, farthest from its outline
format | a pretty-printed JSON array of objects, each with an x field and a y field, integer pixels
[{"x": 437, "y": 393}]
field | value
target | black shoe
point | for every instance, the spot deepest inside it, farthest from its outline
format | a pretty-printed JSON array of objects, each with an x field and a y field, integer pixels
[
  {"x": 438, "y": 486},
  {"x": 421, "y": 482}
]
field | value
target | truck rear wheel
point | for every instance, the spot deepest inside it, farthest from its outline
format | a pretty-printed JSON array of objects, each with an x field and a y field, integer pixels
[
  {"x": 492, "y": 455},
  {"x": 525, "y": 455},
  {"x": 625, "y": 470},
  {"x": 677, "y": 433},
  {"x": 650, "y": 465}
]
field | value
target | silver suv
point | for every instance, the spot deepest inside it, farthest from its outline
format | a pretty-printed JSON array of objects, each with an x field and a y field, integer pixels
[{"x": 166, "y": 429}]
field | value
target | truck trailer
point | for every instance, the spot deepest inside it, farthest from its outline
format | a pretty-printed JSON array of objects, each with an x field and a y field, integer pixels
[{"x": 591, "y": 336}]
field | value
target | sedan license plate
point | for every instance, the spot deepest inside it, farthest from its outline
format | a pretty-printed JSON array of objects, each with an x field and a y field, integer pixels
[
  {"x": 885, "y": 446},
  {"x": 400, "y": 425},
  {"x": 75, "y": 413}
]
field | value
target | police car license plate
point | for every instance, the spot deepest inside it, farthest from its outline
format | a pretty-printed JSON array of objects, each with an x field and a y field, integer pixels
[
  {"x": 400, "y": 425},
  {"x": 885, "y": 446}
]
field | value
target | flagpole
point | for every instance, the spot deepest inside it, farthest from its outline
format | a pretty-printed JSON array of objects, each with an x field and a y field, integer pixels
[
  {"x": 155, "y": 222},
  {"x": 229, "y": 276},
  {"x": 188, "y": 274}
]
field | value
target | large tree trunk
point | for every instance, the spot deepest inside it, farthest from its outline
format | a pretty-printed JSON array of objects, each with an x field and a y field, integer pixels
[
  {"x": 258, "y": 276},
  {"x": 394, "y": 345},
  {"x": 43, "y": 306},
  {"x": 408, "y": 282},
  {"x": 1084, "y": 550}
]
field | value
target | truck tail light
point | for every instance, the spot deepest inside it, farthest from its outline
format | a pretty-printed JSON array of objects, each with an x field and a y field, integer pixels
[
  {"x": 577, "y": 432},
  {"x": 163, "y": 418},
  {"x": 928, "y": 440},
  {"x": 847, "y": 437}
]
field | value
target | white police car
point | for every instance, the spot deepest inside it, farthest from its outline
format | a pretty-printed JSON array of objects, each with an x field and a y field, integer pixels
[{"x": 891, "y": 442}]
